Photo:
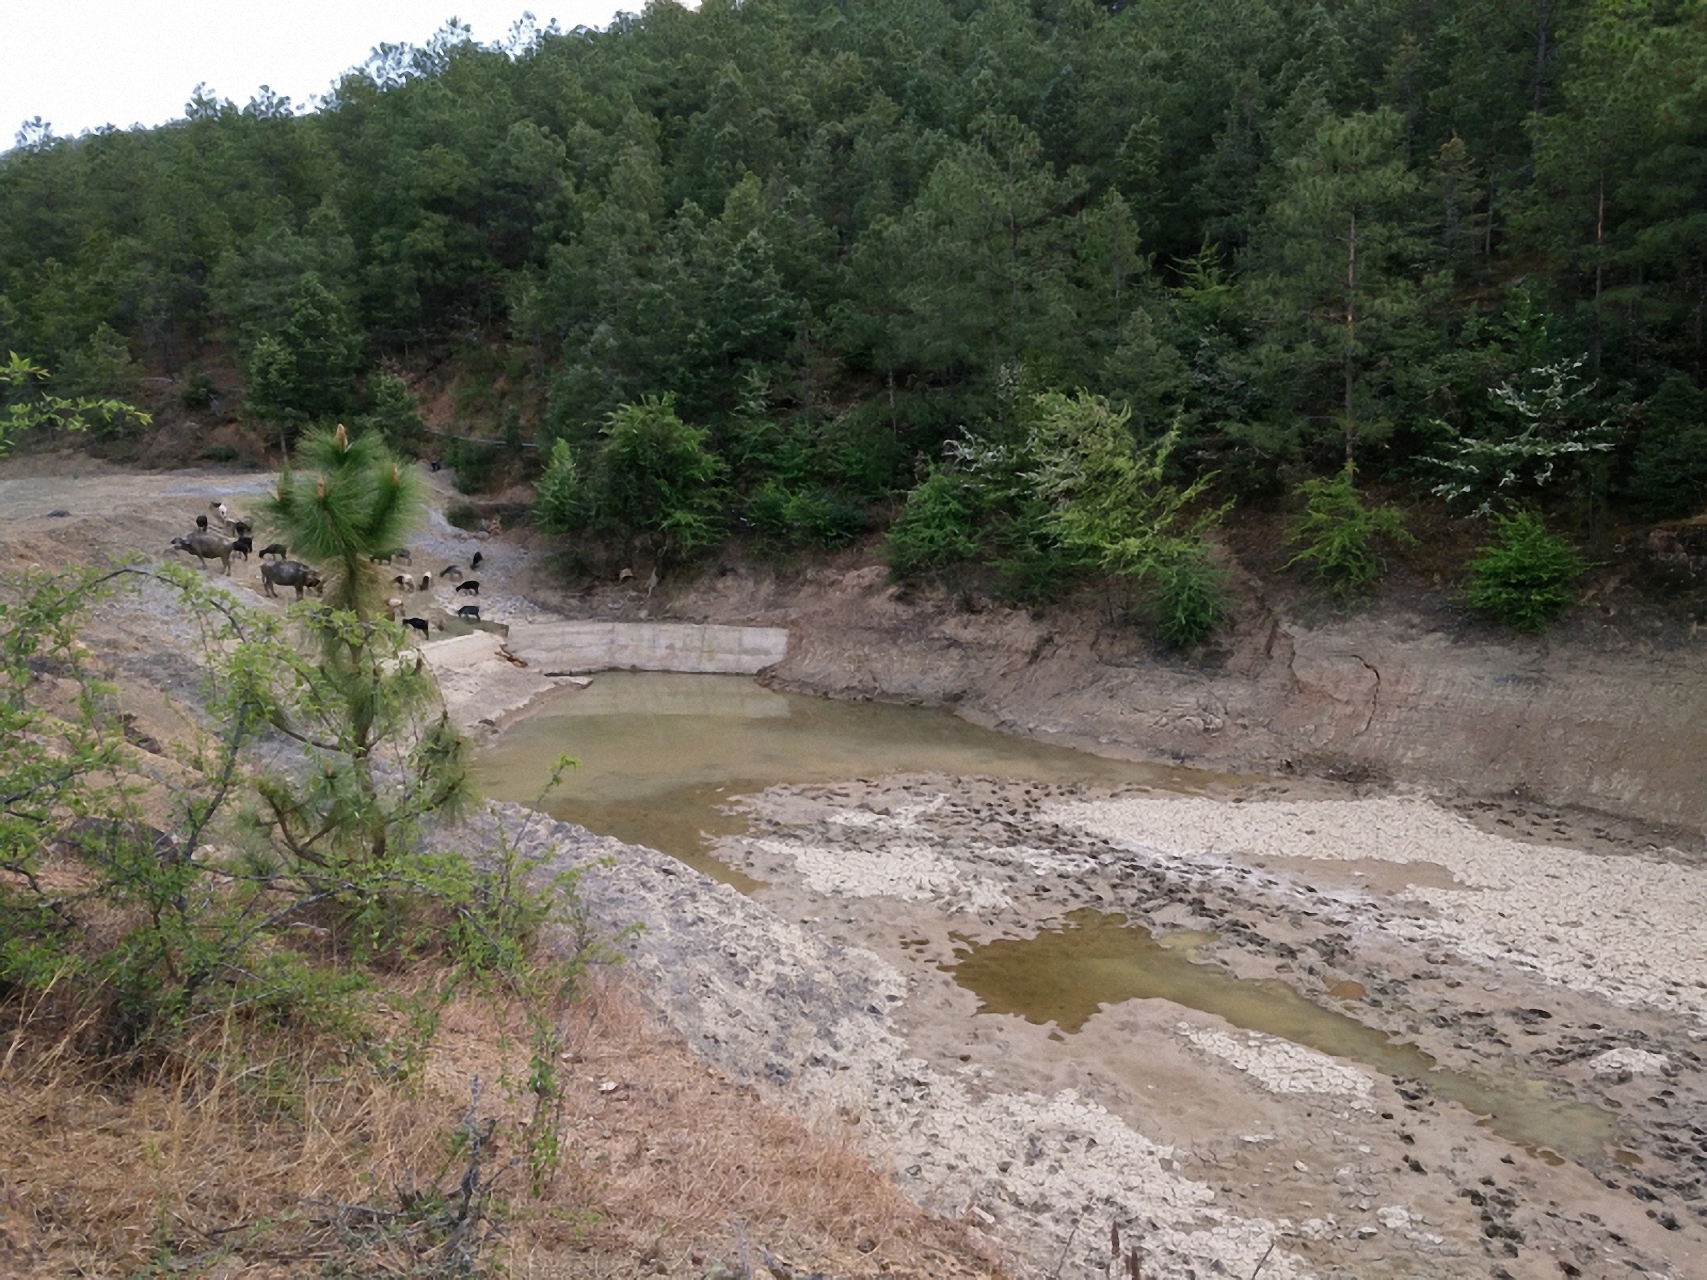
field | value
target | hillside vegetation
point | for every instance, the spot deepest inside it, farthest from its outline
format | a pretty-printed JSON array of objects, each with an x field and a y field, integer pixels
[{"x": 807, "y": 258}]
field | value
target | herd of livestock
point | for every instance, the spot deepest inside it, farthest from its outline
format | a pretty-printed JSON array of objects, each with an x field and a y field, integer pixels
[{"x": 219, "y": 535}]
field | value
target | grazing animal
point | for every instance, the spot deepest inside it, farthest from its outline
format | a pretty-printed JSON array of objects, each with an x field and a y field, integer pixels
[
  {"x": 420, "y": 624},
  {"x": 478, "y": 557},
  {"x": 405, "y": 580},
  {"x": 469, "y": 611},
  {"x": 627, "y": 575},
  {"x": 469, "y": 588},
  {"x": 426, "y": 583},
  {"x": 288, "y": 573},
  {"x": 201, "y": 522},
  {"x": 242, "y": 547},
  {"x": 242, "y": 528},
  {"x": 435, "y": 464},
  {"x": 58, "y": 513},
  {"x": 220, "y": 513},
  {"x": 276, "y": 549},
  {"x": 451, "y": 572},
  {"x": 204, "y": 547}
]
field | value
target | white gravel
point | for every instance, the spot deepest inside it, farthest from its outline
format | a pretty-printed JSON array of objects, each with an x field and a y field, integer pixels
[
  {"x": 1283, "y": 1067},
  {"x": 910, "y": 872},
  {"x": 1625, "y": 927}
]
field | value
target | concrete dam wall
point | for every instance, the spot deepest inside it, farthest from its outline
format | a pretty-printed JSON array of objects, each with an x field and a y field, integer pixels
[{"x": 573, "y": 647}]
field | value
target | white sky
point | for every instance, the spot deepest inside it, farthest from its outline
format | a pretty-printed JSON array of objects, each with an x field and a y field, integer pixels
[{"x": 81, "y": 64}]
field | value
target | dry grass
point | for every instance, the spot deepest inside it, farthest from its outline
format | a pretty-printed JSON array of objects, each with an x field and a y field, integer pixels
[{"x": 259, "y": 1160}]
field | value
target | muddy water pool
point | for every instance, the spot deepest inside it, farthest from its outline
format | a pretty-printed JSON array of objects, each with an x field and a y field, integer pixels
[
  {"x": 661, "y": 756},
  {"x": 1066, "y": 975}
]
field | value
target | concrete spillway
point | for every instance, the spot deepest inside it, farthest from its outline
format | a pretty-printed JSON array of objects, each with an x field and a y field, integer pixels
[{"x": 647, "y": 646}]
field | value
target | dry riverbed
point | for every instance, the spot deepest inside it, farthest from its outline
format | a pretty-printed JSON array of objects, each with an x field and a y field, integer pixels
[
  {"x": 1551, "y": 965},
  {"x": 1208, "y": 1146}
]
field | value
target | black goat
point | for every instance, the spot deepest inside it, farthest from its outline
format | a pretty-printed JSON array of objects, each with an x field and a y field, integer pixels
[
  {"x": 469, "y": 588},
  {"x": 478, "y": 557},
  {"x": 243, "y": 546},
  {"x": 469, "y": 611},
  {"x": 276, "y": 549},
  {"x": 420, "y": 624}
]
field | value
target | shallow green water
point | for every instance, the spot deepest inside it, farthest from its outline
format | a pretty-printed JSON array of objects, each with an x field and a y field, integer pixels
[
  {"x": 1065, "y": 975},
  {"x": 661, "y": 753}
]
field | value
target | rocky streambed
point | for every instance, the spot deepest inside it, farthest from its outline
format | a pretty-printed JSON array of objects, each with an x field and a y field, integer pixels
[
  {"x": 1545, "y": 1117},
  {"x": 1228, "y": 1027}
]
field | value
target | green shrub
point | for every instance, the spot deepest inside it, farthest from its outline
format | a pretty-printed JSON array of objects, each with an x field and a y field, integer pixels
[
  {"x": 393, "y": 412},
  {"x": 463, "y": 515},
  {"x": 657, "y": 480},
  {"x": 1526, "y": 576},
  {"x": 787, "y": 516},
  {"x": 199, "y": 391},
  {"x": 1668, "y": 473},
  {"x": 937, "y": 528},
  {"x": 1336, "y": 534},
  {"x": 221, "y": 453},
  {"x": 1189, "y": 600},
  {"x": 559, "y": 498},
  {"x": 474, "y": 462}
]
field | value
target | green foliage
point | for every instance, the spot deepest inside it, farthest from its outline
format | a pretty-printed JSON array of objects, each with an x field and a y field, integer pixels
[
  {"x": 24, "y": 408},
  {"x": 474, "y": 462},
  {"x": 1551, "y": 430},
  {"x": 392, "y": 411},
  {"x": 228, "y": 910},
  {"x": 799, "y": 515},
  {"x": 655, "y": 479},
  {"x": 1668, "y": 473},
  {"x": 301, "y": 371},
  {"x": 559, "y": 496},
  {"x": 1337, "y": 534},
  {"x": 1190, "y": 601},
  {"x": 936, "y": 530},
  {"x": 199, "y": 391},
  {"x": 1526, "y": 576},
  {"x": 1111, "y": 499},
  {"x": 1289, "y": 234},
  {"x": 345, "y": 502}
]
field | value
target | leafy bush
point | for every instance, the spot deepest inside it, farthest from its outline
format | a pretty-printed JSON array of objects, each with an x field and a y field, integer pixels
[
  {"x": 1189, "y": 602},
  {"x": 24, "y": 407},
  {"x": 474, "y": 461},
  {"x": 1668, "y": 474},
  {"x": 803, "y": 516},
  {"x": 393, "y": 412},
  {"x": 1526, "y": 576},
  {"x": 463, "y": 515},
  {"x": 937, "y": 528},
  {"x": 657, "y": 480},
  {"x": 221, "y": 453},
  {"x": 559, "y": 497},
  {"x": 1110, "y": 498},
  {"x": 199, "y": 391},
  {"x": 1337, "y": 534},
  {"x": 1552, "y": 430}
]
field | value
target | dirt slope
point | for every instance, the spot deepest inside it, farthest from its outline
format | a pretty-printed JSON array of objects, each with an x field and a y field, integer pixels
[{"x": 1597, "y": 720}]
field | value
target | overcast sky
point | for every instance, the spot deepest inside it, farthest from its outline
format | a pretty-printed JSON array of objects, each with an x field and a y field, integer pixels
[{"x": 81, "y": 64}]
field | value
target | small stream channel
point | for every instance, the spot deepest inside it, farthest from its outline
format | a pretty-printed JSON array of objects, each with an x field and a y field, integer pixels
[{"x": 662, "y": 755}]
